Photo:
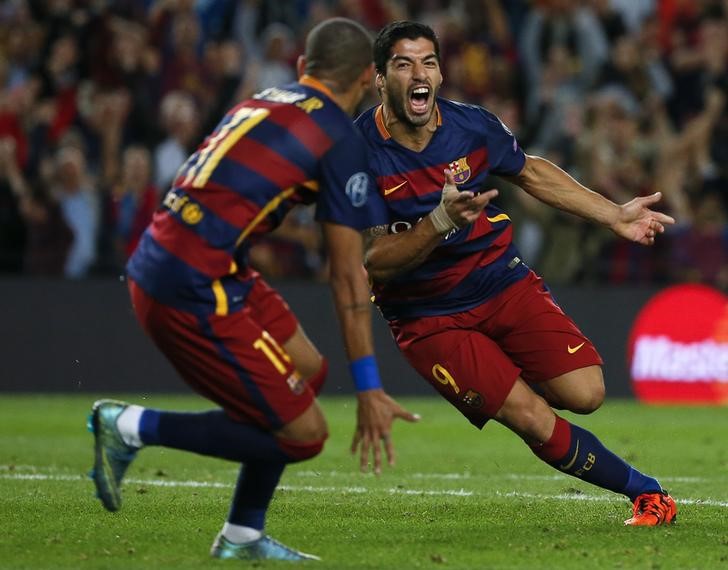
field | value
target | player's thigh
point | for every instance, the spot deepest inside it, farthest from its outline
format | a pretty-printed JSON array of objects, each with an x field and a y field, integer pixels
[
  {"x": 466, "y": 368},
  {"x": 273, "y": 314},
  {"x": 306, "y": 357},
  {"x": 540, "y": 338},
  {"x": 232, "y": 361}
]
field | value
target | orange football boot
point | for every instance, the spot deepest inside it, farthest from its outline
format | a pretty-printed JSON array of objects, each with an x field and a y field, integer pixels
[{"x": 653, "y": 509}]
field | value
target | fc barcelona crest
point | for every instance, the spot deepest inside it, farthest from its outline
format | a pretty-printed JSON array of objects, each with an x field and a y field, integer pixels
[{"x": 460, "y": 169}]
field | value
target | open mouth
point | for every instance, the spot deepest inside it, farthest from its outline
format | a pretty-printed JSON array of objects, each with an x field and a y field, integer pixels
[{"x": 419, "y": 98}]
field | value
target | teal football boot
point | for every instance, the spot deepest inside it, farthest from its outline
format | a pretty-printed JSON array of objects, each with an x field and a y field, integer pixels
[
  {"x": 112, "y": 456},
  {"x": 265, "y": 548}
]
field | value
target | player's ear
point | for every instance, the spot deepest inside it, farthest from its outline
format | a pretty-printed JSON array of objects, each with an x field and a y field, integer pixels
[
  {"x": 301, "y": 65},
  {"x": 367, "y": 74},
  {"x": 379, "y": 81}
]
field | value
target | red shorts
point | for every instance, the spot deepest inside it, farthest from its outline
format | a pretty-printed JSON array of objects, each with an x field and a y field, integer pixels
[
  {"x": 473, "y": 358},
  {"x": 236, "y": 360}
]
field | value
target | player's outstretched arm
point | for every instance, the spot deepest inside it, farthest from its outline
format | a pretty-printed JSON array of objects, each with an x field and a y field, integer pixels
[
  {"x": 634, "y": 220},
  {"x": 376, "y": 411},
  {"x": 388, "y": 255}
]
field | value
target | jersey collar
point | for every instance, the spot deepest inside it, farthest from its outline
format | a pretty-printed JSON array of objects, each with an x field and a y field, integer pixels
[
  {"x": 310, "y": 81},
  {"x": 381, "y": 127}
]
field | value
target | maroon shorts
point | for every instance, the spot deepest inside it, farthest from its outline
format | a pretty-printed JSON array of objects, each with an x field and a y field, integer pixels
[
  {"x": 236, "y": 360},
  {"x": 473, "y": 358}
]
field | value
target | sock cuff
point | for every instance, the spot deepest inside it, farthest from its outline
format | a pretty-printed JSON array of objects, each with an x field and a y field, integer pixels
[
  {"x": 149, "y": 427},
  {"x": 128, "y": 425},
  {"x": 557, "y": 446},
  {"x": 248, "y": 525}
]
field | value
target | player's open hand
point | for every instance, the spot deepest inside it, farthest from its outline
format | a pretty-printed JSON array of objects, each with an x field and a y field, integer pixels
[
  {"x": 462, "y": 207},
  {"x": 376, "y": 412},
  {"x": 637, "y": 222}
]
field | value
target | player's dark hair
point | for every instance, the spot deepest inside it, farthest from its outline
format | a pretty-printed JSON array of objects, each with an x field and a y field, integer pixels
[
  {"x": 338, "y": 50},
  {"x": 392, "y": 33}
]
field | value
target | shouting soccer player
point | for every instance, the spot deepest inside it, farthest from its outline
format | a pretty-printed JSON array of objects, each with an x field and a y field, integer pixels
[
  {"x": 465, "y": 310},
  {"x": 229, "y": 335}
]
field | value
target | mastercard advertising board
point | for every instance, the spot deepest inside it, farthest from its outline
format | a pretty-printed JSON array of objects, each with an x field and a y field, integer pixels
[{"x": 678, "y": 347}]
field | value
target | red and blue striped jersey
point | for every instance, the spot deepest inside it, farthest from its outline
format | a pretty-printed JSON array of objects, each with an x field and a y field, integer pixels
[
  {"x": 471, "y": 264},
  {"x": 285, "y": 146}
]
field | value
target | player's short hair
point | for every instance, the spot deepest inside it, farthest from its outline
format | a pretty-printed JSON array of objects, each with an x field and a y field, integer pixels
[
  {"x": 338, "y": 50},
  {"x": 392, "y": 33}
]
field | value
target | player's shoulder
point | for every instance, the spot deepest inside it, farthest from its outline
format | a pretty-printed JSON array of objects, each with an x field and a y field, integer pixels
[
  {"x": 366, "y": 122},
  {"x": 470, "y": 116},
  {"x": 465, "y": 114},
  {"x": 311, "y": 102}
]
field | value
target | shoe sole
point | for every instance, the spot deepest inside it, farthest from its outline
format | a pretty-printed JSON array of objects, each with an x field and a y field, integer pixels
[{"x": 102, "y": 473}]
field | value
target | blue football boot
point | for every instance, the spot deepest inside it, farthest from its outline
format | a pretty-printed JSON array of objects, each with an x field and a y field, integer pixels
[
  {"x": 265, "y": 548},
  {"x": 112, "y": 456}
]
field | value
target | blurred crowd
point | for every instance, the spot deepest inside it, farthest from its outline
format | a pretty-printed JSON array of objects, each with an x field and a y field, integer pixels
[{"x": 102, "y": 100}]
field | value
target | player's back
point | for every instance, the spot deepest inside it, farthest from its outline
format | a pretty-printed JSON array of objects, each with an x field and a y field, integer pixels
[{"x": 264, "y": 157}]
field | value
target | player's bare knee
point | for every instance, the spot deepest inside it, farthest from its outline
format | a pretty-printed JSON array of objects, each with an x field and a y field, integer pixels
[
  {"x": 301, "y": 450},
  {"x": 308, "y": 427},
  {"x": 591, "y": 397},
  {"x": 590, "y": 401}
]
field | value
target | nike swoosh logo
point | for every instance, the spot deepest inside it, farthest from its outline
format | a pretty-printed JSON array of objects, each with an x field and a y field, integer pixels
[
  {"x": 388, "y": 191},
  {"x": 573, "y": 350},
  {"x": 573, "y": 459},
  {"x": 498, "y": 218}
]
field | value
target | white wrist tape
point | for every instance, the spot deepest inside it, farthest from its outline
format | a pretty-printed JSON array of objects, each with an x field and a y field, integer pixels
[{"x": 442, "y": 222}]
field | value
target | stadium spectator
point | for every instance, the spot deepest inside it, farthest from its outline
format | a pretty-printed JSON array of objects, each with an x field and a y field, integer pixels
[
  {"x": 547, "y": 58},
  {"x": 228, "y": 334},
  {"x": 466, "y": 312},
  {"x": 79, "y": 204},
  {"x": 46, "y": 236},
  {"x": 134, "y": 200},
  {"x": 563, "y": 48},
  {"x": 12, "y": 226},
  {"x": 700, "y": 250},
  {"x": 274, "y": 67},
  {"x": 294, "y": 250},
  {"x": 181, "y": 120}
]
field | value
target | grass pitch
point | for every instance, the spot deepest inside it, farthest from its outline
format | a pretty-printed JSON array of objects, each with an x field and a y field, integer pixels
[{"x": 457, "y": 499}]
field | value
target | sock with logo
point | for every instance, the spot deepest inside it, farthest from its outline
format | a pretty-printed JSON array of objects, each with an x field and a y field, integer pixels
[{"x": 576, "y": 451}]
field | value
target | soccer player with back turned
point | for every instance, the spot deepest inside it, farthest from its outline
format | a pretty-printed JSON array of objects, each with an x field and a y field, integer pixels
[
  {"x": 228, "y": 334},
  {"x": 465, "y": 310}
]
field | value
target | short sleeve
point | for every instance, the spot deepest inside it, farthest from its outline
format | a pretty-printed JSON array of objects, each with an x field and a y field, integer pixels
[
  {"x": 506, "y": 156},
  {"x": 347, "y": 192}
]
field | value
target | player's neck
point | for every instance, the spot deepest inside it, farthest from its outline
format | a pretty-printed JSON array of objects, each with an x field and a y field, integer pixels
[{"x": 410, "y": 136}]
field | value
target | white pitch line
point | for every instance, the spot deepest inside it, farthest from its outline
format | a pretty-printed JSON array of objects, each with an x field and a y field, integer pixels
[
  {"x": 358, "y": 490},
  {"x": 437, "y": 476},
  {"x": 489, "y": 476},
  {"x": 580, "y": 497}
]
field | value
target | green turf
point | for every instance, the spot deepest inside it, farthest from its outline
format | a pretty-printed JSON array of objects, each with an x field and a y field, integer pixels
[{"x": 505, "y": 509}]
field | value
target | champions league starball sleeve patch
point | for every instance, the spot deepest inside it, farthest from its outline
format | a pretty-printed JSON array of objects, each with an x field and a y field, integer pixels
[{"x": 349, "y": 199}]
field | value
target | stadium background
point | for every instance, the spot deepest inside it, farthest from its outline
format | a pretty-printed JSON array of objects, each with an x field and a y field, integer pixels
[{"x": 101, "y": 101}]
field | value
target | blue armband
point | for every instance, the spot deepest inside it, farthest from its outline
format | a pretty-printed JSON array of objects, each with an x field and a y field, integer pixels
[{"x": 365, "y": 373}]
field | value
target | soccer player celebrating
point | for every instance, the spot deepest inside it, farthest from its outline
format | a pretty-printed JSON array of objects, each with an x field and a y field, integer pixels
[
  {"x": 229, "y": 335},
  {"x": 465, "y": 310}
]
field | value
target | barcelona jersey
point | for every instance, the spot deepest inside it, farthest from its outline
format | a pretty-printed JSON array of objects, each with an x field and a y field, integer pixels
[
  {"x": 285, "y": 146},
  {"x": 471, "y": 264}
]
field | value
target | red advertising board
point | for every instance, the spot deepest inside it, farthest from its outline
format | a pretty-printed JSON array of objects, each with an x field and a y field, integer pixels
[{"x": 678, "y": 347}]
